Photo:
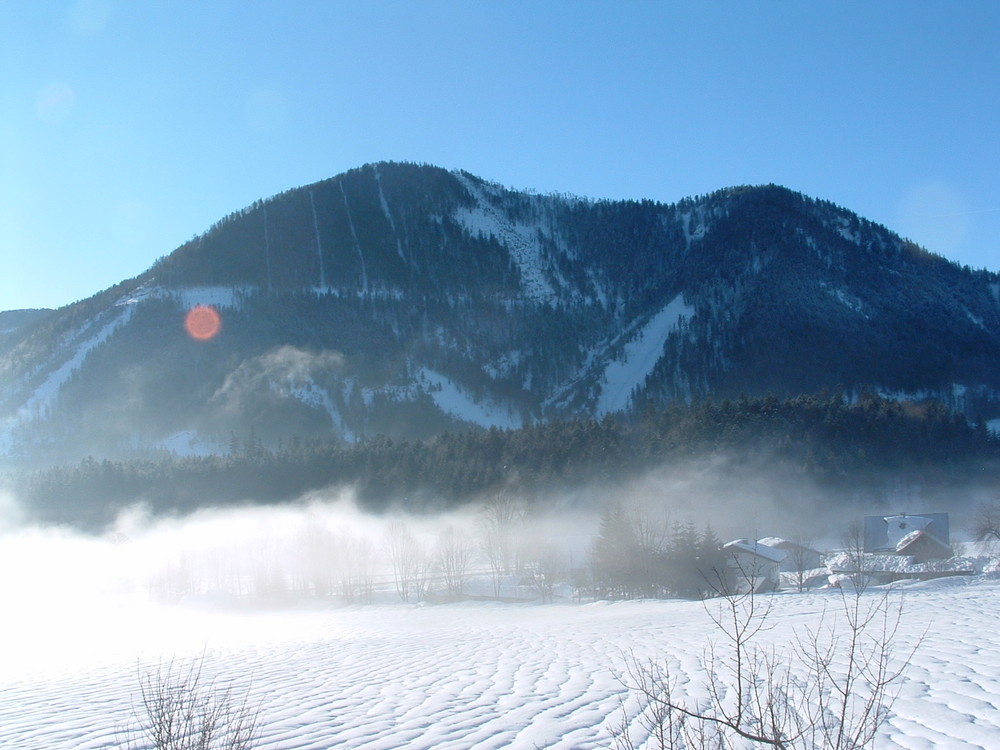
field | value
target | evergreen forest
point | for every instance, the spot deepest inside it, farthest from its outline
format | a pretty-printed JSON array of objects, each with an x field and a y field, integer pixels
[{"x": 854, "y": 449}]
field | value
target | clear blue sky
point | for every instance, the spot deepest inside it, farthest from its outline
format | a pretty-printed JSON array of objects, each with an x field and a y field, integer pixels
[{"x": 126, "y": 128}]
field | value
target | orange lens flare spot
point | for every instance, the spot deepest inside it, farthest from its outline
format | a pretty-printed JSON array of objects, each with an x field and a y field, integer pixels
[{"x": 202, "y": 322}]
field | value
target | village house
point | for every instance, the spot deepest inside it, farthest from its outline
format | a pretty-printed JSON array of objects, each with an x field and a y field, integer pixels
[
  {"x": 902, "y": 546},
  {"x": 752, "y": 567},
  {"x": 798, "y": 557},
  {"x": 922, "y": 537}
]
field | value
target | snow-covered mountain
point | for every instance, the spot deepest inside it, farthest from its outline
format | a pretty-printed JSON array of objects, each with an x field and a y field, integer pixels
[{"x": 408, "y": 300}]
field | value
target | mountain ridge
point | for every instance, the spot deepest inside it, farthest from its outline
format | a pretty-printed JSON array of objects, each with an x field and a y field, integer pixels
[{"x": 405, "y": 300}]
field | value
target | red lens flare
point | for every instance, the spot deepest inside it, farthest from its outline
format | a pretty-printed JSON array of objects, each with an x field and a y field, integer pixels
[{"x": 202, "y": 322}]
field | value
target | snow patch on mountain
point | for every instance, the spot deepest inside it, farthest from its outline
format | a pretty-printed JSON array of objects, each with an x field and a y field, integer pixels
[
  {"x": 221, "y": 297},
  {"x": 48, "y": 389},
  {"x": 189, "y": 443},
  {"x": 451, "y": 399},
  {"x": 140, "y": 293},
  {"x": 521, "y": 240},
  {"x": 503, "y": 366},
  {"x": 847, "y": 299},
  {"x": 692, "y": 234},
  {"x": 354, "y": 236},
  {"x": 846, "y": 229},
  {"x": 313, "y": 395},
  {"x": 623, "y": 376},
  {"x": 46, "y": 393},
  {"x": 214, "y": 296},
  {"x": 388, "y": 215},
  {"x": 975, "y": 319}
]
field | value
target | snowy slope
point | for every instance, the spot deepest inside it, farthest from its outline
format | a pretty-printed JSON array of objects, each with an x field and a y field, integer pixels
[
  {"x": 483, "y": 675},
  {"x": 521, "y": 241},
  {"x": 451, "y": 399},
  {"x": 629, "y": 372},
  {"x": 84, "y": 341}
]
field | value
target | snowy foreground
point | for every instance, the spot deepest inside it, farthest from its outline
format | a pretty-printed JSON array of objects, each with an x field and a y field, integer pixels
[{"x": 469, "y": 675}]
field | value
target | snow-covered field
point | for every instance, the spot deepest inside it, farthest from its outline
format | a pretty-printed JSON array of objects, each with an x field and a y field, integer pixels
[{"x": 465, "y": 675}]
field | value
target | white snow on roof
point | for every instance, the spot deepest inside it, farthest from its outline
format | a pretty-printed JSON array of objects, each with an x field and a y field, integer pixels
[
  {"x": 902, "y": 526},
  {"x": 755, "y": 548},
  {"x": 777, "y": 542},
  {"x": 772, "y": 541},
  {"x": 624, "y": 375},
  {"x": 909, "y": 539}
]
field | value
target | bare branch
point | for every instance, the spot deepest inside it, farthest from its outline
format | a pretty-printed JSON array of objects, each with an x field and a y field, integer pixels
[
  {"x": 179, "y": 710},
  {"x": 850, "y": 680}
]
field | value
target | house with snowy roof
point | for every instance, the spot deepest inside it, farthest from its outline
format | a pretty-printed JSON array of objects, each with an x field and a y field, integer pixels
[
  {"x": 752, "y": 567},
  {"x": 798, "y": 557},
  {"x": 922, "y": 536},
  {"x": 902, "y": 546}
]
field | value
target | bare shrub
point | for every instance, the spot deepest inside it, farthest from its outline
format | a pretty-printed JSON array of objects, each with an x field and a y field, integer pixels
[
  {"x": 500, "y": 523},
  {"x": 853, "y": 542},
  {"x": 986, "y": 523},
  {"x": 543, "y": 566},
  {"x": 179, "y": 709},
  {"x": 406, "y": 557},
  {"x": 453, "y": 556},
  {"x": 355, "y": 560},
  {"x": 831, "y": 688}
]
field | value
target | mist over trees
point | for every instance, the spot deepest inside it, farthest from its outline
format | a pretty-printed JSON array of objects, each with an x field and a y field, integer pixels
[
  {"x": 639, "y": 553},
  {"x": 865, "y": 450}
]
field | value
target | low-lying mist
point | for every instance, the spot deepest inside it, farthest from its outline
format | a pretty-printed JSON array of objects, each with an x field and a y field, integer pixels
[
  {"x": 324, "y": 547},
  {"x": 144, "y": 582}
]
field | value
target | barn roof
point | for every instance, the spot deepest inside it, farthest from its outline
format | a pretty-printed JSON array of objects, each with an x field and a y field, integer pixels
[
  {"x": 755, "y": 548},
  {"x": 776, "y": 542}
]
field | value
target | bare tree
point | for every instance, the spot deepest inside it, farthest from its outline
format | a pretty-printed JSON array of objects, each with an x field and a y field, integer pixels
[
  {"x": 355, "y": 563},
  {"x": 545, "y": 566},
  {"x": 499, "y": 523},
  {"x": 269, "y": 574},
  {"x": 423, "y": 571},
  {"x": 179, "y": 709},
  {"x": 853, "y": 541},
  {"x": 316, "y": 555},
  {"x": 802, "y": 558},
  {"x": 986, "y": 523},
  {"x": 830, "y": 689},
  {"x": 405, "y": 556},
  {"x": 454, "y": 554}
]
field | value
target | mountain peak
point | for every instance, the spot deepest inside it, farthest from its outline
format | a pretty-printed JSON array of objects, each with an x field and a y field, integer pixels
[{"x": 408, "y": 299}]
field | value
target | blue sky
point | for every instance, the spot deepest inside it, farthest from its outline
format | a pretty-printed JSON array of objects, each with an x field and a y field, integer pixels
[{"x": 126, "y": 128}]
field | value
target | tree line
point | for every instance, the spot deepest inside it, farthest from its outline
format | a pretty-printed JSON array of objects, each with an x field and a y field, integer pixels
[{"x": 865, "y": 445}]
